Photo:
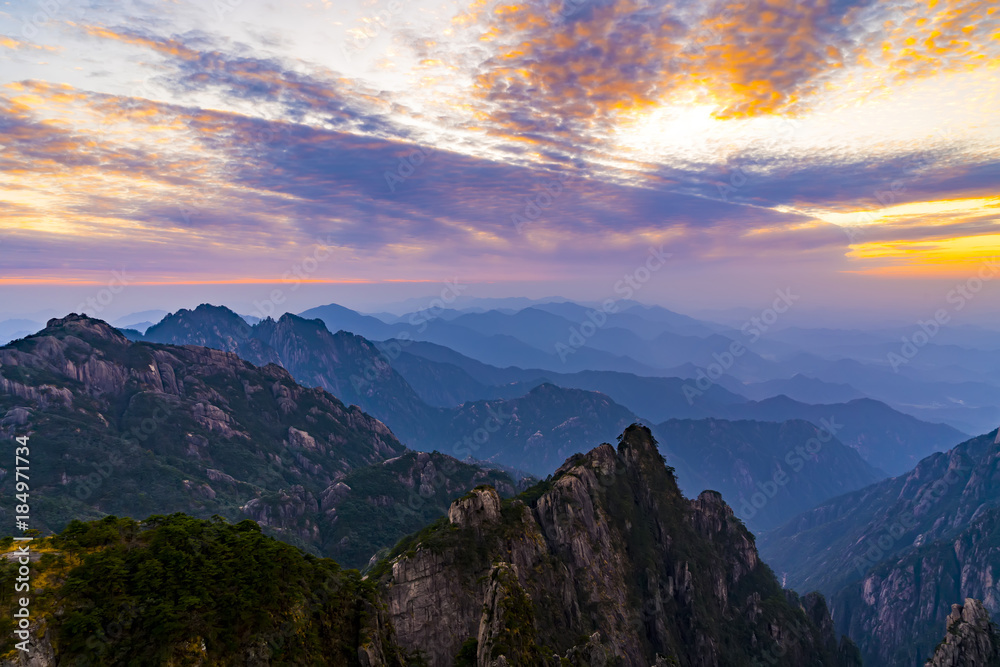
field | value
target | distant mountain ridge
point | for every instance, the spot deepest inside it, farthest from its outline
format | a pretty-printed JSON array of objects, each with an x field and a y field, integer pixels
[
  {"x": 535, "y": 424},
  {"x": 767, "y": 471},
  {"x": 351, "y": 367},
  {"x": 886, "y": 438}
]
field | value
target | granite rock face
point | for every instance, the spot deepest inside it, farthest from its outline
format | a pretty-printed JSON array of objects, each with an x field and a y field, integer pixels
[
  {"x": 607, "y": 559},
  {"x": 971, "y": 639},
  {"x": 894, "y": 556}
]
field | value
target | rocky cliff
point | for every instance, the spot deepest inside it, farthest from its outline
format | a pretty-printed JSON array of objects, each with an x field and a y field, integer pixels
[
  {"x": 893, "y": 557},
  {"x": 895, "y": 612},
  {"x": 605, "y": 558},
  {"x": 971, "y": 639}
]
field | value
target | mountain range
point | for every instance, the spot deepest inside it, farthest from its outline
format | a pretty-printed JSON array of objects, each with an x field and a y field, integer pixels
[
  {"x": 139, "y": 428},
  {"x": 605, "y": 563},
  {"x": 535, "y": 430},
  {"x": 135, "y": 427}
]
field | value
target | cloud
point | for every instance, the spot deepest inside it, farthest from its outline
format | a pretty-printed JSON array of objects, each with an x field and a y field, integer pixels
[
  {"x": 246, "y": 187},
  {"x": 252, "y": 156},
  {"x": 320, "y": 95}
]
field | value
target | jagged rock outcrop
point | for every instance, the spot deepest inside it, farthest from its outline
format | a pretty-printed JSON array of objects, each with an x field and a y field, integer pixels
[
  {"x": 971, "y": 638},
  {"x": 292, "y": 510},
  {"x": 608, "y": 545},
  {"x": 896, "y": 610},
  {"x": 506, "y": 630},
  {"x": 481, "y": 507},
  {"x": 346, "y": 365},
  {"x": 40, "y": 652}
]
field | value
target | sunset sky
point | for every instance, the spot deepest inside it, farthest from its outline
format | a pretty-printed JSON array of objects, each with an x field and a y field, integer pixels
[{"x": 210, "y": 149}]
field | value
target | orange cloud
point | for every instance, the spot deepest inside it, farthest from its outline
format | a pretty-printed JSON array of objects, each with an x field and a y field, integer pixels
[
  {"x": 169, "y": 47},
  {"x": 938, "y": 36},
  {"x": 17, "y": 45},
  {"x": 747, "y": 58}
]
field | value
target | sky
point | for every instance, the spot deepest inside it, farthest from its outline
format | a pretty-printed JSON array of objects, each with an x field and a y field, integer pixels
[{"x": 162, "y": 154}]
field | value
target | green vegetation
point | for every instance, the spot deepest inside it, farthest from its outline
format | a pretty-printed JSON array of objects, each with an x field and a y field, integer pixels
[
  {"x": 467, "y": 654},
  {"x": 175, "y": 588},
  {"x": 517, "y": 639},
  {"x": 386, "y": 502}
]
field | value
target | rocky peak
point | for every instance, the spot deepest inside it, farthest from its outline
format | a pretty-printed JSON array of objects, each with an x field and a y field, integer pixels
[
  {"x": 971, "y": 638},
  {"x": 82, "y": 327},
  {"x": 479, "y": 507},
  {"x": 211, "y": 326},
  {"x": 637, "y": 447},
  {"x": 607, "y": 545}
]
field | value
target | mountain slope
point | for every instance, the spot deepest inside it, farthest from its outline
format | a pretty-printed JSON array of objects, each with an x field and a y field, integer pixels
[
  {"x": 604, "y": 564},
  {"x": 547, "y": 425},
  {"x": 140, "y": 428},
  {"x": 768, "y": 472},
  {"x": 606, "y": 559},
  {"x": 480, "y": 341},
  {"x": 802, "y": 388},
  {"x": 893, "y": 556},
  {"x": 180, "y": 591},
  {"x": 210, "y": 326},
  {"x": 346, "y": 365},
  {"x": 886, "y": 438},
  {"x": 896, "y": 611},
  {"x": 823, "y": 548},
  {"x": 534, "y": 432}
]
